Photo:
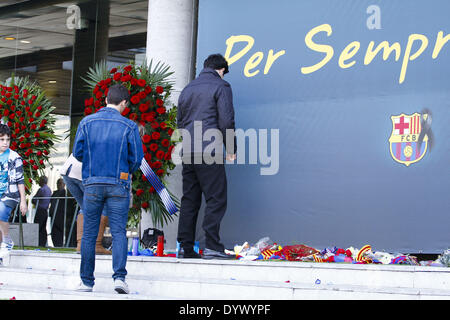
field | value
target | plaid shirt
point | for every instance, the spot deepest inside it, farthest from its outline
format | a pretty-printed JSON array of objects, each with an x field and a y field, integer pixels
[{"x": 15, "y": 177}]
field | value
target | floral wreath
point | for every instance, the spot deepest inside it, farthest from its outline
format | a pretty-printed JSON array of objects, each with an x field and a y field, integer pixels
[
  {"x": 25, "y": 109},
  {"x": 149, "y": 91}
]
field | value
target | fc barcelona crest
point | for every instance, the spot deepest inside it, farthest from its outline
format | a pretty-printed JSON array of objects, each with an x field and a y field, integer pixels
[{"x": 411, "y": 137}]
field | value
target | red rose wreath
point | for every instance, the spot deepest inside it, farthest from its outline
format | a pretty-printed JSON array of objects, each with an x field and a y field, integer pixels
[{"x": 28, "y": 113}]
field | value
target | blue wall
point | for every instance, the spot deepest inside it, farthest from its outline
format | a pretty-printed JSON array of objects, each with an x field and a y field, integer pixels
[{"x": 337, "y": 183}]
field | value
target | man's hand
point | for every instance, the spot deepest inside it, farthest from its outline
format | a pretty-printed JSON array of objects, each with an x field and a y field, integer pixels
[{"x": 231, "y": 157}]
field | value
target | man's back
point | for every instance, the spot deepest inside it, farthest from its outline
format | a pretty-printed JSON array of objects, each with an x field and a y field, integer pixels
[
  {"x": 207, "y": 99},
  {"x": 109, "y": 147}
]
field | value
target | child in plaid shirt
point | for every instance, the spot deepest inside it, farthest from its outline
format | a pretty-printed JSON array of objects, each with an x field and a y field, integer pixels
[{"x": 12, "y": 189}]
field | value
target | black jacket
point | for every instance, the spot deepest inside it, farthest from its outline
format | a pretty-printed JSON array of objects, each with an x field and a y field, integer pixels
[{"x": 208, "y": 99}]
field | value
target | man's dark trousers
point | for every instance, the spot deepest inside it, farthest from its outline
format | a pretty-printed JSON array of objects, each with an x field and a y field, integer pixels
[{"x": 209, "y": 179}]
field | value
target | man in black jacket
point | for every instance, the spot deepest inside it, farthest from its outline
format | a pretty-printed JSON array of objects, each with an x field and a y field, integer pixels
[{"x": 205, "y": 104}]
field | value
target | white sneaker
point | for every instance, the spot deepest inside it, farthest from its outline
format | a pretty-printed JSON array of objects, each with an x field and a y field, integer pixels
[
  {"x": 6, "y": 246},
  {"x": 5, "y": 249},
  {"x": 121, "y": 286},
  {"x": 4, "y": 259},
  {"x": 83, "y": 288}
]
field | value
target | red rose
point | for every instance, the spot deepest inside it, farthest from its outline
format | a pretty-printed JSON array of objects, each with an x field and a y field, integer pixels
[
  {"x": 163, "y": 125},
  {"x": 135, "y": 99},
  {"x": 165, "y": 143},
  {"x": 128, "y": 68},
  {"x": 133, "y": 116},
  {"x": 146, "y": 138},
  {"x": 155, "y": 125},
  {"x": 141, "y": 83},
  {"x": 159, "y": 89},
  {"x": 113, "y": 70},
  {"x": 151, "y": 190},
  {"x": 45, "y": 142},
  {"x": 160, "y": 155},
  {"x": 142, "y": 95},
  {"x": 36, "y": 135},
  {"x": 157, "y": 165},
  {"x": 144, "y": 205},
  {"x": 126, "y": 78},
  {"x": 170, "y": 131},
  {"x": 143, "y": 107},
  {"x": 160, "y": 172},
  {"x": 88, "y": 102},
  {"x": 159, "y": 102},
  {"x": 139, "y": 192},
  {"x": 156, "y": 135},
  {"x": 35, "y": 167},
  {"x": 161, "y": 110},
  {"x": 117, "y": 76},
  {"x": 148, "y": 90},
  {"x": 153, "y": 147},
  {"x": 148, "y": 157}
]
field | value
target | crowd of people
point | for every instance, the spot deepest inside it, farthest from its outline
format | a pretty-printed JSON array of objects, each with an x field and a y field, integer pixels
[{"x": 107, "y": 150}]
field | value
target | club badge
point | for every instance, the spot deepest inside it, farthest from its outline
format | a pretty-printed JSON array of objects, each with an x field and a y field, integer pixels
[{"x": 411, "y": 137}]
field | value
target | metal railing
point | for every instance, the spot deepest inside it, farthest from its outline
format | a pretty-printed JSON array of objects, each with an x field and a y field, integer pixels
[{"x": 66, "y": 240}]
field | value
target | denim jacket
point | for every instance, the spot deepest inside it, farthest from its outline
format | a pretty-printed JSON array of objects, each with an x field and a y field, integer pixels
[{"x": 109, "y": 146}]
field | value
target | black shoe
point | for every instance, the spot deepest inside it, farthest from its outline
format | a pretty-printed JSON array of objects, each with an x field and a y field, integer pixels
[
  {"x": 212, "y": 254},
  {"x": 188, "y": 254}
]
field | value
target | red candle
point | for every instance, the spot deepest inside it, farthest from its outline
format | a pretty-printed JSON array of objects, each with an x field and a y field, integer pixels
[{"x": 160, "y": 246}]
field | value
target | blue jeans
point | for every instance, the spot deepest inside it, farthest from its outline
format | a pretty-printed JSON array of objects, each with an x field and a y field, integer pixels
[
  {"x": 116, "y": 200},
  {"x": 76, "y": 188}
]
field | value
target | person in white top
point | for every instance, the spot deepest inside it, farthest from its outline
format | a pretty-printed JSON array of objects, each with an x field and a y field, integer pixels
[{"x": 71, "y": 173}]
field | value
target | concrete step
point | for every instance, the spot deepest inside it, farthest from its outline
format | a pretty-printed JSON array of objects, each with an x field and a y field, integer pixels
[
  {"x": 41, "y": 293},
  {"x": 169, "y": 278},
  {"x": 60, "y": 285},
  {"x": 402, "y": 276}
]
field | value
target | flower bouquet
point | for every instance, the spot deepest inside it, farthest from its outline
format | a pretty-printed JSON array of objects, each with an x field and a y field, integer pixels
[{"x": 28, "y": 113}]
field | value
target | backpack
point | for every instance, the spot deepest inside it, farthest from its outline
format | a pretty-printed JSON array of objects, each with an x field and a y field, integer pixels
[{"x": 150, "y": 237}]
